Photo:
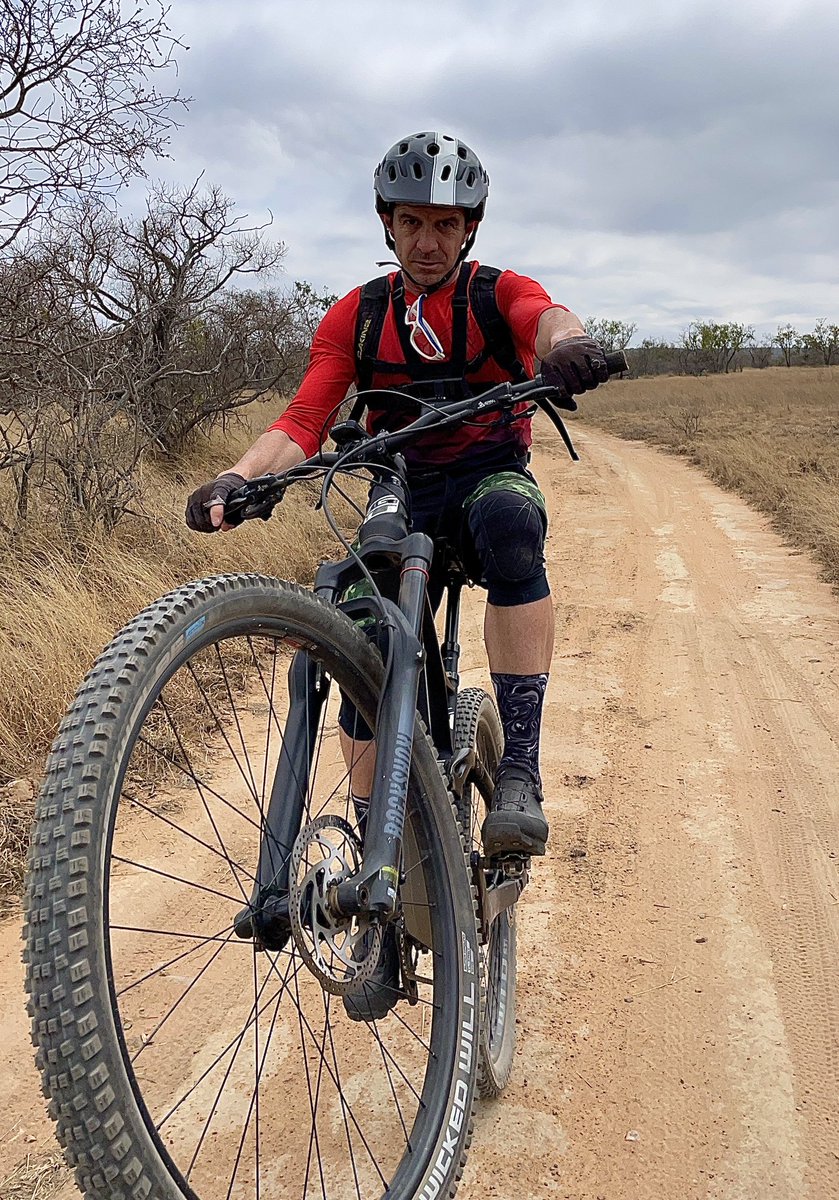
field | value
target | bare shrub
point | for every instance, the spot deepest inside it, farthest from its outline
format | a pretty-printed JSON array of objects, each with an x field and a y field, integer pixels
[
  {"x": 686, "y": 421},
  {"x": 77, "y": 111}
]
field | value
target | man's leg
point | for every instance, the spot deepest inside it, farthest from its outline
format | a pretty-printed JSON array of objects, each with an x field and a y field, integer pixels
[
  {"x": 507, "y": 522},
  {"x": 520, "y": 637}
]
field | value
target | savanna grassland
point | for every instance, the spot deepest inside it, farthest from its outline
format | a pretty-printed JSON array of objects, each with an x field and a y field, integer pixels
[
  {"x": 61, "y": 604},
  {"x": 771, "y": 435}
]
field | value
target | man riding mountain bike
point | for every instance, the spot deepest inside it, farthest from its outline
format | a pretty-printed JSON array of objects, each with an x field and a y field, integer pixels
[{"x": 438, "y": 329}]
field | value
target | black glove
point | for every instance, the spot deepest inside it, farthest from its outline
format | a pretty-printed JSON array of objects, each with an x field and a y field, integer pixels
[
  {"x": 575, "y": 366},
  {"x": 215, "y": 492}
]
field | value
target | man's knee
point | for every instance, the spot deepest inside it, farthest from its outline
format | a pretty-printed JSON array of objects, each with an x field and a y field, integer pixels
[{"x": 508, "y": 531}]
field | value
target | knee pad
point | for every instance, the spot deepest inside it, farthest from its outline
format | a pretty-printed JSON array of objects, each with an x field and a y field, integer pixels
[{"x": 508, "y": 532}]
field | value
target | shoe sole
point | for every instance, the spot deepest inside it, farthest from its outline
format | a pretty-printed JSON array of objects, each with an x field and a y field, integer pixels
[{"x": 501, "y": 837}]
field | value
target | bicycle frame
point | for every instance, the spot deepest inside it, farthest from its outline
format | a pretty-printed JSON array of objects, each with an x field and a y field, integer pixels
[
  {"x": 414, "y": 654},
  {"x": 423, "y": 676}
]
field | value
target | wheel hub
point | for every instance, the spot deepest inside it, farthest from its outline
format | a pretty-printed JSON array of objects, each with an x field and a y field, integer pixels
[{"x": 341, "y": 951}]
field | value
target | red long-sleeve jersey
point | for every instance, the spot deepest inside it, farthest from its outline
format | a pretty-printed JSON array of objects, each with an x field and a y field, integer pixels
[{"x": 332, "y": 366}]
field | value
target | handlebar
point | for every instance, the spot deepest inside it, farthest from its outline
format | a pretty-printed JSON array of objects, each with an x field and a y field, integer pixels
[{"x": 258, "y": 497}]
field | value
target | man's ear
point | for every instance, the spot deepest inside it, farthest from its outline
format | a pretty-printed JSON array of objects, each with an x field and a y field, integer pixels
[{"x": 387, "y": 221}]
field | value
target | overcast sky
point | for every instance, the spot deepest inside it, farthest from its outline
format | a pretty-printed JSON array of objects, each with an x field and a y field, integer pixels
[{"x": 654, "y": 161}]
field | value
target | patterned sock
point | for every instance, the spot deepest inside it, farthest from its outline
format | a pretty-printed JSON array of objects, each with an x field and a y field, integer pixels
[{"x": 520, "y": 702}]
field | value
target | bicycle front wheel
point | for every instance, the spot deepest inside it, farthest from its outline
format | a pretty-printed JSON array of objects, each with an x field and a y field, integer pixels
[{"x": 180, "y": 1059}]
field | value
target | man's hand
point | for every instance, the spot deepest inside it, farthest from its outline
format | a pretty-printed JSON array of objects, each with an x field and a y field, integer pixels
[
  {"x": 575, "y": 365},
  {"x": 205, "y": 507}
]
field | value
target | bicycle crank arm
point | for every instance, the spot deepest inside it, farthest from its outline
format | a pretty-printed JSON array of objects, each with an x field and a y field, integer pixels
[{"x": 495, "y": 898}]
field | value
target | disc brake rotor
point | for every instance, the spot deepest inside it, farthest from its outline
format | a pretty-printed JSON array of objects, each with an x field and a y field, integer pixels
[{"x": 342, "y": 952}]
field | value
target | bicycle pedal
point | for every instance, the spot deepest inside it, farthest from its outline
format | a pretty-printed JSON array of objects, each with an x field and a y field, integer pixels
[{"x": 514, "y": 866}]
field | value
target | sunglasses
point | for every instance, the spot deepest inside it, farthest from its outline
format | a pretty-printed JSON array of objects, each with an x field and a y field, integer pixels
[{"x": 420, "y": 329}]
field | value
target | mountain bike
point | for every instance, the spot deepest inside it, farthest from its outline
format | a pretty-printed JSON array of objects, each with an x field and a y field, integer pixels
[{"x": 210, "y": 901}]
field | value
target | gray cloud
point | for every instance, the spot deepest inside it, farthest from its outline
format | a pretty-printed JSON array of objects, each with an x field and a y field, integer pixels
[{"x": 651, "y": 161}]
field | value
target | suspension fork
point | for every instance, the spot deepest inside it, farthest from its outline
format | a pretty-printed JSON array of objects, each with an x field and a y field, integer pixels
[
  {"x": 308, "y": 691},
  {"x": 451, "y": 646},
  {"x": 373, "y": 889}
]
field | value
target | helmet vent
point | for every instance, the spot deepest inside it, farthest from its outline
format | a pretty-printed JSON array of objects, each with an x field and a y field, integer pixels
[
  {"x": 391, "y": 174},
  {"x": 433, "y": 148},
  {"x": 470, "y": 179},
  {"x": 461, "y": 151},
  {"x": 418, "y": 171},
  {"x": 403, "y": 147},
  {"x": 446, "y": 172}
]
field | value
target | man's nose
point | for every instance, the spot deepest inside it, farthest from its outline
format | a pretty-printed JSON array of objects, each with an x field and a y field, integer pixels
[{"x": 427, "y": 241}]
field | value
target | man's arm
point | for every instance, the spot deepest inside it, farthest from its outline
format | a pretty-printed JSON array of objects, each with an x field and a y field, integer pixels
[
  {"x": 272, "y": 451},
  {"x": 555, "y": 325},
  {"x": 299, "y": 432}
]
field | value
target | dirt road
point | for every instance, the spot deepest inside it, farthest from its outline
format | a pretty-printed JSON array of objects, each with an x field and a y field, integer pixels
[{"x": 679, "y": 949}]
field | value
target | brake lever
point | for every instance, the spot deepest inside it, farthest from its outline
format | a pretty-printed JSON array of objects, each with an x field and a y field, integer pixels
[
  {"x": 255, "y": 499},
  {"x": 556, "y": 420}
]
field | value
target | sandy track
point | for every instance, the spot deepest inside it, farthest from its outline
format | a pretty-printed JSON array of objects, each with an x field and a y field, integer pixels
[{"x": 679, "y": 949}]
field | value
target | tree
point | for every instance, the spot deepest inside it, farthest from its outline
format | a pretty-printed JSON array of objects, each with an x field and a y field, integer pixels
[
  {"x": 761, "y": 353},
  {"x": 611, "y": 335},
  {"x": 77, "y": 115},
  {"x": 823, "y": 342},
  {"x": 66, "y": 439},
  {"x": 654, "y": 356},
  {"x": 788, "y": 341},
  {"x": 154, "y": 286},
  {"x": 713, "y": 346}
]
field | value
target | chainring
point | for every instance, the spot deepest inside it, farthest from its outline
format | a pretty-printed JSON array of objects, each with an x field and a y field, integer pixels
[{"x": 341, "y": 952}]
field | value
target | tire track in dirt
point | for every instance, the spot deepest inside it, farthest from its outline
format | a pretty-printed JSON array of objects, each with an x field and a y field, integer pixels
[
  {"x": 679, "y": 946},
  {"x": 681, "y": 943}
]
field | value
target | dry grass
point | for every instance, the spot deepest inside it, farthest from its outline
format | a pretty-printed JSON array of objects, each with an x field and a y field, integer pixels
[
  {"x": 59, "y": 611},
  {"x": 38, "y": 1177},
  {"x": 772, "y": 436}
]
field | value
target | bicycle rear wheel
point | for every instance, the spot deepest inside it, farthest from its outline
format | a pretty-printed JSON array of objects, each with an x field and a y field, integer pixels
[
  {"x": 180, "y": 1059},
  {"x": 478, "y": 728}
]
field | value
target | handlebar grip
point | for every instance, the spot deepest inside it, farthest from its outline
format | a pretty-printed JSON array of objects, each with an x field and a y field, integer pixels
[{"x": 616, "y": 362}]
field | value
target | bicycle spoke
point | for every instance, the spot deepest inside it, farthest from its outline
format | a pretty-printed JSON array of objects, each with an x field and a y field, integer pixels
[
  {"x": 224, "y": 857},
  {"x": 319, "y": 1078},
  {"x": 167, "y": 757},
  {"x": 170, "y": 962},
  {"x": 179, "y": 933},
  {"x": 201, "y": 791},
  {"x": 386, "y": 1052},
  {"x": 314, "y": 1131},
  {"x": 254, "y": 1102},
  {"x": 343, "y": 1103},
  {"x": 233, "y": 1042},
  {"x": 175, "y": 878},
  {"x": 425, "y": 1045},
  {"x": 249, "y": 778},
  {"x": 150, "y": 1038},
  {"x": 335, "y": 1077},
  {"x": 390, "y": 1083}
]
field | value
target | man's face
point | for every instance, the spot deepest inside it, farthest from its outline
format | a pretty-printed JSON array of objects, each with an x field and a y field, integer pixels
[{"x": 428, "y": 239}]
